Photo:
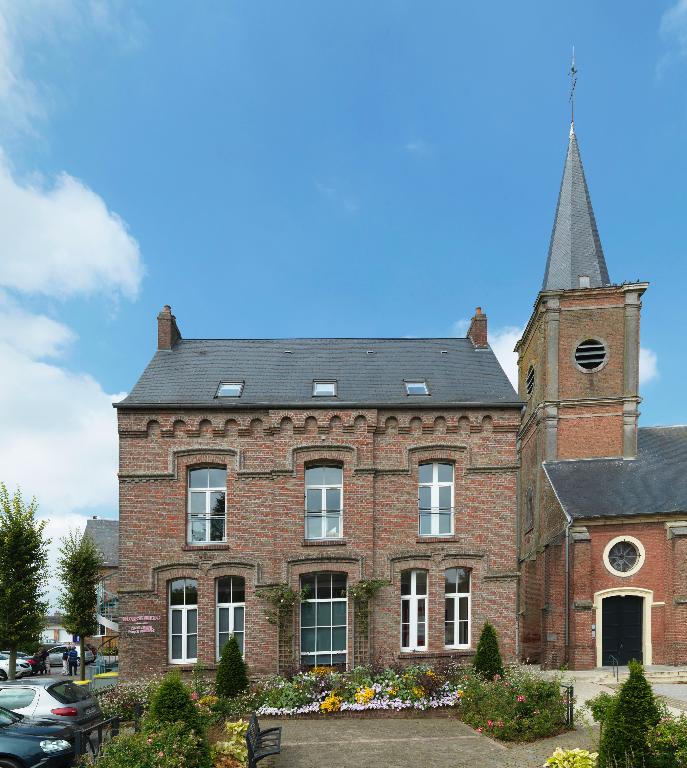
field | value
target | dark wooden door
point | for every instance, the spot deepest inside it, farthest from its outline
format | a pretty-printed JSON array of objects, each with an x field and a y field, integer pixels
[{"x": 622, "y": 629}]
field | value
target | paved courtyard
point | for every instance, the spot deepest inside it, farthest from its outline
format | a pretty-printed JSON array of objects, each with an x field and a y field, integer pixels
[{"x": 403, "y": 742}]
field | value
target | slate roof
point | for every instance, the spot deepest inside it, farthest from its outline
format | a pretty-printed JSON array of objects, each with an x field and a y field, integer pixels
[
  {"x": 575, "y": 247},
  {"x": 280, "y": 373},
  {"x": 105, "y": 536},
  {"x": 653, "y": 483}
]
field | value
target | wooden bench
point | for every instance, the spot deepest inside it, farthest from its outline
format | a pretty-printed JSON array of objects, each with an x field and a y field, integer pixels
[{"x": 261, "y": 743}]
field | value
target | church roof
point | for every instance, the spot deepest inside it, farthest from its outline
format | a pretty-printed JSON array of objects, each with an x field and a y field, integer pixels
[
  {"x": 105, "y": 536},
  {"x": 653, "y": 483},
  {"x": 575, "y": 248},
  {"x": 280, "y": 373}
]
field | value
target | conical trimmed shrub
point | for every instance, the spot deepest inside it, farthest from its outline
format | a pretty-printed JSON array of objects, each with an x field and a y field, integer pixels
[
  {"x": 172, "y": 703},
  {"x": 487, "y": 661},
  {"x": 634, "y": 712},
  {"x": 232, "y": 677}
]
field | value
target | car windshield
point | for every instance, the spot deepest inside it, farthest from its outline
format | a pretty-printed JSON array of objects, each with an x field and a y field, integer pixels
[
  {"x": 68, "y": 693},
  {"x": 3, "y": 657},
  {"x": 7, "y": 717}
]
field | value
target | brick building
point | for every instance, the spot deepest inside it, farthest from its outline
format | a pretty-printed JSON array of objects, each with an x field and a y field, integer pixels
[
  {"x": 603, "y": 504},
  {"x": 316, "y": 463}
]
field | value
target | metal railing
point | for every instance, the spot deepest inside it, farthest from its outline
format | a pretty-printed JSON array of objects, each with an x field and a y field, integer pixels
[
  {"x": 92, "y": 739},
  {"x": 569, "y": 697},
  {"x": 435, "y": 521},
  {"x": 616, "y": 666}
]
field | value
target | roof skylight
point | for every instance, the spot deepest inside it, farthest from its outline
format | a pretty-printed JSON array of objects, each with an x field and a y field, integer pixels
[
  {"x": 230, "y": 389},
  {"x": 418, "y": 387},
  {"x": 324, "y": 388}
]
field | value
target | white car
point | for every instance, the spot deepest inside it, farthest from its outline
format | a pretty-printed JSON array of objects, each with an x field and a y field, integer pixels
[
  {"x": 55, "y": 655},
  {"x": 23, "y": 668}
]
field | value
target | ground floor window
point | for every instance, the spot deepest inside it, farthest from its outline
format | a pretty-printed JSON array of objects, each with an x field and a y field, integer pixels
[
  {"x": 457, "y": 608},
  {"x": 183, "y": 621},
  {"x": 231, "y": 607},
  {"x": 414, "y": 610},
  {"x": 324, "y": 622}
]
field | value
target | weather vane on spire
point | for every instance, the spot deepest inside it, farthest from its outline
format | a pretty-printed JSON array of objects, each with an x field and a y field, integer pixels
[{"x": 573, "y": 82}]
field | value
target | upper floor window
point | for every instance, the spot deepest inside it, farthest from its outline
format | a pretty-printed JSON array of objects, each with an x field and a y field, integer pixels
[
  {"x": 230, "y": 389},
  {"x": 590, "y": 355},
  {"x": 231, "y": 608},
  {"x": 414, "y": 610},
  {"x": 207, "y": 490},
  {"x": 529, "y": 380},
  {"x": 457, "y": 608},
  {"x": 436, "y": 499},
  {"x": 324, "y": 619},
  {"x": 324, "y": 388},
  {"x": 418, "y": 387},
  {"x": 183, "y": 621},
  {"x": 323, "y": 502}
]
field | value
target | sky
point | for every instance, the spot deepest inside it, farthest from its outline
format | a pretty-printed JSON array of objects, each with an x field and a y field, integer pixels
[{"x": 316, "y": 168}]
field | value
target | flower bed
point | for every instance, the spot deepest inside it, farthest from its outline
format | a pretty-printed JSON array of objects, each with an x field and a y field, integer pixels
[{"x": 325, "y": 691}]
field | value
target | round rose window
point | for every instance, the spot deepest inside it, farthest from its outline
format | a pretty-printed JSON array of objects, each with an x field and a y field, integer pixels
[{"x": 623, "y": 556}]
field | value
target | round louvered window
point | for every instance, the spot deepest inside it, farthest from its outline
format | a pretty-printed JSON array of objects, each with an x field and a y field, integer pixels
[
  {"x": 529, "y": 381},
  {"x": 590, "y": 354}
]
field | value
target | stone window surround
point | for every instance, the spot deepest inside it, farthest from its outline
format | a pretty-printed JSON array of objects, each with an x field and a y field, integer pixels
[{"x": 641, "y": 558}]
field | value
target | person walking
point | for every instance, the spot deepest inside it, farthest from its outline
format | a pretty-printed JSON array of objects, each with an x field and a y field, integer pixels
[
  {"x": 73, "y": 660},
  {"x": 45, "y": 662},
  {"x": 65, "y": 661}
]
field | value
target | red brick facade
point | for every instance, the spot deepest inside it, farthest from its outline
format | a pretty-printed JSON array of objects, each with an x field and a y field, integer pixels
[{"x": 266, "y": 453}]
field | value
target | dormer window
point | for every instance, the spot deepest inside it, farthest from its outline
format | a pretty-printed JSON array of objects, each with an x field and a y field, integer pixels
[
  {"x": 324, "y": 388},
  {"x": 585, "y": 282},
  {"x": 417, "y": 387},
  {"x": 230, "y": 389}
]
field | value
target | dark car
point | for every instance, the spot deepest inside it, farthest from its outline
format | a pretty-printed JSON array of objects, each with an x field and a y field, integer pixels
[{"x": 28, "y": 743}]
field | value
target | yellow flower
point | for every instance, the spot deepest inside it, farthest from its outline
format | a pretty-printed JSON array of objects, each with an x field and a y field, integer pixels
[
  {"x": 364, "y": 695},
  {"x": 419, "y": 691},
  {"x": 431, "y": 673},
  {"x": 331, "y": 704},
  {"x": 392, "y": 691},
  {"x": 321, "y": 670}
]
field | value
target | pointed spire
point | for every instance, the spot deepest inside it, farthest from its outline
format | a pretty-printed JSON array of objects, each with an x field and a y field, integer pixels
[{"x": 576, "y": 258}]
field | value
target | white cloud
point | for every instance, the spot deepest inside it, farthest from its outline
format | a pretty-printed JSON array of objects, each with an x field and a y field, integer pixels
[
  {"x": 648, "y": 365},
  {"x": 418, "y": 147},
  {"x": 63, "y": 240},
  {"x": 673, "y": 31}
]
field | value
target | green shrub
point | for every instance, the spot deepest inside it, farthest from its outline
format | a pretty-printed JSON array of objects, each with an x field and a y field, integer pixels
[
  {"x": 170, "y": 747},
  {"x": 234, "y": 747},
  {"x": 520, "y": 707},
  {"x": 122, "y": 699},
  {"x": 668, "y": 743},
  {"x": 232, "y": 677},
  {"x": 572, "y": 758},
  {"x": 488, "y": 657},
  {"x": 172, "y": 703},
  {"x": 628, "y": 721}
]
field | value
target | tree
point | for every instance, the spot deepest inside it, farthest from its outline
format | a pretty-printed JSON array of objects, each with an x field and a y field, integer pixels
[
  {"x": 633, "y": 713},
  {"x": 488, "y": 657},
  {"x": 231, "y": 672},
  {"x": 79, "y": 565},
  {"x": 23, "y": 574}
]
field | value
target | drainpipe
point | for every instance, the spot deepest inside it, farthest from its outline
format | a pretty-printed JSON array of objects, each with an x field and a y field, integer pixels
[{"x": 568, "y": 523}]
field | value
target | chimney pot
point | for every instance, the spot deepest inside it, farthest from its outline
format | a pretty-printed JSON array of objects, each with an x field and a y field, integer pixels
[
  {"x": 167, "y": 330},
  {"x": 477, "y": 333}
]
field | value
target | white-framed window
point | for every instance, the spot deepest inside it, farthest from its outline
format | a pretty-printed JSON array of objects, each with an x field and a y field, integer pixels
[
  {"x": 323, "y": 502},
  {"x": 457, "y": 608},
  {"x": 230, "y": 389},
  {"x": 183, "y": 621},
  {"x": 624, "y": 556},
  {"x": 324, "y": 619},
  {"x": 231, "y": 609},
  {"x": 417, "y": 387},
  {"x": 207, "y": 493},
  {"x": 414, "y": 610},
  {"x": 435, "y": 499},
  {"x": 324, "y": 388}
]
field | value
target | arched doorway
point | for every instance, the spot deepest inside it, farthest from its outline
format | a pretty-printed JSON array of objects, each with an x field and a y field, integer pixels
[{"x": 623, "y": 625}]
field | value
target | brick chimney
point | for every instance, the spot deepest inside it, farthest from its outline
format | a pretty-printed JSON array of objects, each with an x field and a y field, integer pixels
[
  {"x": 477, "y": 333},
  {"x": 167, "y": 331}
]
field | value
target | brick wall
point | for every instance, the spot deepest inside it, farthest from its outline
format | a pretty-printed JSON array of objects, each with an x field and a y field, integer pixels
[{"x": 266, "y": 453}]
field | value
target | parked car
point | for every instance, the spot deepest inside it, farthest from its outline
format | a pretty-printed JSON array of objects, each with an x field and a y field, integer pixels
[
  {"x": 22, "y": 668},
  {"x": 55, "y": 655},
  {"x": 28, "y": 743},
  {"x": 59, "y": 700},
  {"x": 35, "y": 667}
]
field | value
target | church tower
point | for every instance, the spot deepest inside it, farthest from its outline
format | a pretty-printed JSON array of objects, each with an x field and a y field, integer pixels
[{"x": 578, "y": 374}]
